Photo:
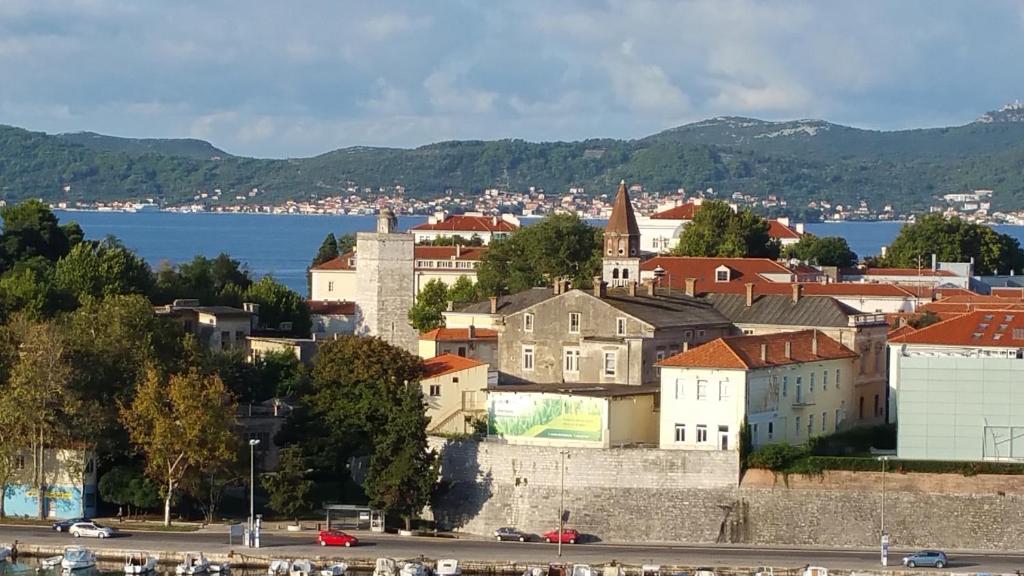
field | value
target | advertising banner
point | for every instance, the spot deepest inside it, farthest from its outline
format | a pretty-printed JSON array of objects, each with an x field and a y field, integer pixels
[{"x": 545, "y": 416}]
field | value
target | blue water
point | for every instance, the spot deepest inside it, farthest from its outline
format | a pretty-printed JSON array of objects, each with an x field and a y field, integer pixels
[{"x": 284, "y": 245}]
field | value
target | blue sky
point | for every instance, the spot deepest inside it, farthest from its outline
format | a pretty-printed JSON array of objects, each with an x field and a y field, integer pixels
[{"x": 280, "y": 78}]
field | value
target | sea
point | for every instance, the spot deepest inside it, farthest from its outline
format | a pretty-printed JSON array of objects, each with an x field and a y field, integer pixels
[{"x": 283, "y": 245}]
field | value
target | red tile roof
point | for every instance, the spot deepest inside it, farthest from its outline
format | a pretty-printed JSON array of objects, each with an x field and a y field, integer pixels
[
  {"x": 1012, "y": 292},
  {"x": 473, "y": 253},
  {"x": 342, "y": 262},
  {"x": 1003, "y": 328},
  {"x": 470, "y": 224},
  {"x": 901, "y": 331},
  {"x": 945, "y": 307},
  {"x": 941, "y": 293},
  {"x": 779, "y": 230},
  {"x": 744, "y": 352},
  {"x": 326, "y": 307},
  {"x": 446, "y": 364},
  {"x": 458, "y": 334},
  {"x": 681, "y": 212}
]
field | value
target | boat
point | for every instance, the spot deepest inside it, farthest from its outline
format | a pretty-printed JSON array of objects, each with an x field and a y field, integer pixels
[
  {"x": 5, "y": 553},
  {"x": 50, "y": 562},
  {"x": 583, "y": 570},
  {"x": 219, "y": 568},
  {"x": 448, "y": 567},
  {"x": 335, "y": 570},
  {"x": 414, "y": 568},
  {"x": 535, "y": 571},
  {"x": 650, "y": 570},
  {"x": 193, "y": 563},
  {"x": 704, "y": 572},
  {"x": 139, "y": 562},
  {"x": 814, "y": 571},
  {"x": 77, "y": 557},
  {"x": 764, "y": 571},
  {"x": 301, "y": 567},
  {"x": 278, "y": 567},
  {"x": 385, "y": 567}
]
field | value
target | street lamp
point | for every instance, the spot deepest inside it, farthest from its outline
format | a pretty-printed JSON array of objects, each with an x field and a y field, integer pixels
[
  {"x": 885, "y": 535},
  {"x": 561, "y": 502},
  {"x": 253, "y": 443}
]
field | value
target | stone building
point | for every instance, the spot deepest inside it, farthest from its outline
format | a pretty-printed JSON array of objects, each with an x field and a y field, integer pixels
[
  {"x": 480, "y": 344},
  {"x": 215, "y": 327},
  {"x": 386, "y": 285}
]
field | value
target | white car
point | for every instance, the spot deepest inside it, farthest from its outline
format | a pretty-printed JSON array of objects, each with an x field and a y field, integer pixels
[{"x": 90, "y": 529}]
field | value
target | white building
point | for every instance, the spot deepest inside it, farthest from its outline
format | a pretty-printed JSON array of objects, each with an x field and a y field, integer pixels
[
  {"x": 787, "y": 387},
  {"x": 487, "y": 228}
]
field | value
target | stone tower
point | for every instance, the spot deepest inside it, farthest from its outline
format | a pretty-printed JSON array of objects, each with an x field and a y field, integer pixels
[
  {"x": 385, "y": 284},
  {"x": 621, "y": 263}
]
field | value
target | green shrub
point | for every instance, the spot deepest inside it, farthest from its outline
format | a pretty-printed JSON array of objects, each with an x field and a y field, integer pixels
[{"x": 775, "y": 457}]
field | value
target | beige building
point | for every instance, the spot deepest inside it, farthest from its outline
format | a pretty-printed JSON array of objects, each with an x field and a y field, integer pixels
[
  {"x": 487, "y": 228},
  {"x": 454, "y": 391},
  {"x": 787, "y": 387},
  {"x": 480, "y": 344},
  {"x": 216, "y": 327},
  {"x": 304, "y": 349}
]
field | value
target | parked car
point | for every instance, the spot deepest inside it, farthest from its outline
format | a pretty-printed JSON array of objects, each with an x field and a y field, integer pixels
[
  {"x": 336, "y": 538},
  {"x": 90, "y": 529},
  {"x": 926, "y": 558},
  {"x": 510, "y": 534},
  {"x": 63, "y": 525},
  {"x": 568, "y": 536}
]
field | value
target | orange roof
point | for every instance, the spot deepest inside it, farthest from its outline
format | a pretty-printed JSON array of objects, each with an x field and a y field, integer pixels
[
  {"x": 343, "y": 262},
  {"x": 777, "y": 229},
  {"x": 463, "y": 223},
  {"x": 622, "y": 220},
  {"x": 1014, "y": 292},
  {"x": 949, "y": 308},
  {"x": 681, "y": 212},
  {"x": 446, "y": 364},
  {"x": 458, "y": 334},
  {"x": 941, "y": 293},
  {"x": 745, "y": 352},
  {"x": 901, "y": 331},
  {"x": 1003, "y": 328}
]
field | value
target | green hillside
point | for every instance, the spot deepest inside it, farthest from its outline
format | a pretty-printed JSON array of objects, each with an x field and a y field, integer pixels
[{"x": 799, "y": 160}]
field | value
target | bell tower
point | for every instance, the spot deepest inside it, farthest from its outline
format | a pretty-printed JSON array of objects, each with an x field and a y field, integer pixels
[{"x": 621, "y": 262}]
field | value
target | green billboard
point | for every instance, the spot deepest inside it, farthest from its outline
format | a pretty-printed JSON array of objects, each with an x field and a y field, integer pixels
[{"x": 526, "y": 415}]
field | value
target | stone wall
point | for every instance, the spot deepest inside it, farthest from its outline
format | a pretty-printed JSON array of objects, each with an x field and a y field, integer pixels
[{"x": 686, "y": 497}]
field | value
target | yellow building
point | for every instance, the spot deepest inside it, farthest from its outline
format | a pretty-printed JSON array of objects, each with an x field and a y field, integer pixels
[
  {"x": 480, "y": 344},
  {"x": 454, "y": 390}
]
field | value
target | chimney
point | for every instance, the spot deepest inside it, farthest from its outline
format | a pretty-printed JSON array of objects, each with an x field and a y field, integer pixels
[
  {"x": 557, "y": 286},
  {"x": 814, "y": 344},
  {"x": 797, "y": 292},
  {"x": 691, "y": 287},
  {"x": 451, "y": 306},
  {"x": 686, "y": 346},
  {"x": 458, "y": 251},
  {"x": 764, "y": 352},
  {"x": 885, "y": 250},
  {"x": 600, "y": 287},
  {"x": 789, "y": 350},
  {"x": 494, "y": 304},
  {"x": 935, "y": 262},
  {"x": 472, "y": 331},
  {"x": 750, "y": 294},
  {"x": 650, "y": 289},
  {"x": 631, "y": 288}
]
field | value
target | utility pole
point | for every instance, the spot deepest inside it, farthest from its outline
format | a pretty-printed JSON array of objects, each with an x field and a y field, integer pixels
[
  {"x": 885, "y": 535},
  {"x": 561, "y": 502},
  {"x": 253, "y": 442}
]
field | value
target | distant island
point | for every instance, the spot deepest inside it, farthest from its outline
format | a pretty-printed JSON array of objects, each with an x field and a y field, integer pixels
[{"x": 801, "y": 168}]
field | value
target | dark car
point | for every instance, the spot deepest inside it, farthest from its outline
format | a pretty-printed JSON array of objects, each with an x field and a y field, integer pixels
[
  {"x": 507, "y": 534},
  {"x": 933, "y": 558},
  {"x": 63, "y": 525}
]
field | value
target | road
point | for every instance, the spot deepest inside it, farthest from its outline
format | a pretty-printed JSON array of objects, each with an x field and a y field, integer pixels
[{"x": 291, "y": 545}]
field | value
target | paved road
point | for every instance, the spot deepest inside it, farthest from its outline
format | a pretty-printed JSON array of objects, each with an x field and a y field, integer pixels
[{"x": 286, "y": 545}]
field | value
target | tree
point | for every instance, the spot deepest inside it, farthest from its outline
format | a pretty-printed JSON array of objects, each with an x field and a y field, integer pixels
[
  {"x": 279, "y": 304},
  {"x": 954, "y": 240},
  {"x": 115, "y": 486},
  {"x": 431, "y": 302},
  {"x": 823, "y": 251},
  {"x": 97, "y": 269},
  {"x": 328, "y": 250},
  {"x": 462, "y": 291},
  {"x": 346, "y": 243},
  {"x": 559, "y": 246},
  {"x": 29, "y": 288},
  {"x": 30, "y": 229},
  {"x": 718, "y": 231},
  {"x": 289, "y": 488},
  {"x": 220, "y": 280},
  {"x": 182, "y": 422},
  {"x": 474, "y": 240}
]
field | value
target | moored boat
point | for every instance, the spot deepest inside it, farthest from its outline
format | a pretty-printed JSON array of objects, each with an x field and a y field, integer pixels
[
  {"x": 50, "y": 562},
  {"x": 300, "y": 567},
  {"x": 448, "y": 567},
  {"x": 414, "y": 568},
  {"x": 77, "y": 558},
  {"x": 194, "y": 563},
  {"x": 278, "y": 567},
  {"x": 137, "y": 562},
  {"x": 385, "y": 567},
  {"x": 335, "y": 570},
  {"x": 814, "y": 571}
]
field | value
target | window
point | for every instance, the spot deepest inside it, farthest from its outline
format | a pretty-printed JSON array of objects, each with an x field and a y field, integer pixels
[
  {"x": 837, "y": 419},
  {"x": 572, "y": 360},
  {"x": 860, "y": 408},
  {"x": 824, "y": 421},
  {"x": 810, "y": 387},
  {"x": 679, "y": 389},
  {"x": 659, "y": 354},
  {"x": 723, "y": 437},
  {"x": 878, "y": 407},
  {"x": 721, "y": 275},
  {"x": 747, "y": 332},
  {"x": 455, "y": 379},
  {"x": 680, "y": 432},
  {"x": 723, "y": 390},
  {"x": 837, "y": 378},
  {"x": 19, "y": 462},
  {"x": 810, "y": 425},
  {"x": 702, "y": 433},
  {"x": 688, "y": 335},
  {"x": 797, "y": 421},
  {"x": 225, "y": 340},
  {"x": 330, "y": 286},
  {"x": 435, "y": 390},
  {"x": 625, "y": 273},
  {"x": 528, "y": 322},
  {"x": 771, "y": 429},
  {"x": 785, "y": 386},
  {"x": 702, "y": 389},
  {"x": 462, "y": 351},
  {"x": 620, "y": 326},
  {"x": 609, "y": 363},
  {"x": 574, "y": 323},
  {"x": 799, "y": 392},
  {"x": 527, "y": 357},
  {"x": 700, "y": 333},
  {"x": 824, "y": 379}
]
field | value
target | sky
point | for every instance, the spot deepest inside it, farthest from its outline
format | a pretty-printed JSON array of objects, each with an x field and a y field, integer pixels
[{"x": 273, "y": 78}]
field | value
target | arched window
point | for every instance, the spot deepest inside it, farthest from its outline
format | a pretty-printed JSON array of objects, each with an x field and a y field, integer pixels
[
  {"x": 625, "y": 273},
  {"x": 615, "y": 273}
]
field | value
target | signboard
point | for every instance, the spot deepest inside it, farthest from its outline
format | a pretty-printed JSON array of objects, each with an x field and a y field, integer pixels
[{"x": 554, "y": 416}]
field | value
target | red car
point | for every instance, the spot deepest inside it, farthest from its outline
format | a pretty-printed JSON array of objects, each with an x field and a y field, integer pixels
[
  {"x": 568, "y": 536},
  {"x": 336, "y": 538}
]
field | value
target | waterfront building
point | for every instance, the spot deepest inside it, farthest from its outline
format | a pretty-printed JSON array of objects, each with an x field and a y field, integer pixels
[
  {"x": 787, "y": 387},
  {"x": 487, "y": 228},
  {"x": 70, "y": 479},
  {"x": 954, "y": 388}
]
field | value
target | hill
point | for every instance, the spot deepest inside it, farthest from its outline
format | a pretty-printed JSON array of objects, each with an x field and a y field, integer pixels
[{"x": 800, "y": 160}]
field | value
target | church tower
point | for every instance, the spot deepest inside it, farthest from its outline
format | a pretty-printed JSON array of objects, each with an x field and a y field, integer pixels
[{"x": 621, "y": 263}]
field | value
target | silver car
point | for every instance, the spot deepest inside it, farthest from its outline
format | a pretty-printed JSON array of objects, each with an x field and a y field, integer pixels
[{"x": 90, "y": 529}]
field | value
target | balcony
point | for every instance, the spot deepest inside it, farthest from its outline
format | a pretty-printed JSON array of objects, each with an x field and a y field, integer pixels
[{"x": 802, "y": 400}]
